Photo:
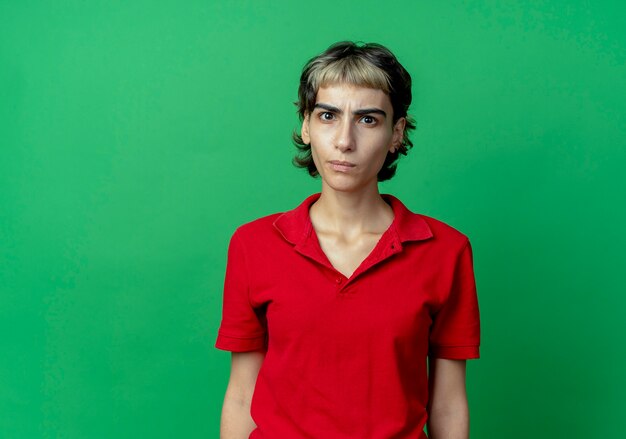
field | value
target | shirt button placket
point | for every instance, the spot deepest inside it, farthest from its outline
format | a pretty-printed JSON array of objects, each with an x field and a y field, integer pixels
[{"x": 339, "y": 282}]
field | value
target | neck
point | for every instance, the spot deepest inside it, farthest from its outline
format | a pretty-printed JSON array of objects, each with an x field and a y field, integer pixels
[{"x": 351, "y": 213}]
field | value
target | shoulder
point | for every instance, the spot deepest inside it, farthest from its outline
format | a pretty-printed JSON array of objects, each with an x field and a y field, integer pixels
[
  {"x": 414, "y": 226},
  {"x": 445, "y": 235},
  {"x": 257, "y": 229},
  {"x": 443, "y": 229},
  {"x": 287, "y": 226},
  {"x": 449, "y": 246}
]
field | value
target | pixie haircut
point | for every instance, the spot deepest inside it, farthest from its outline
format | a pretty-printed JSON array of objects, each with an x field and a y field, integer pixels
[{"x": 366, "y": 65}]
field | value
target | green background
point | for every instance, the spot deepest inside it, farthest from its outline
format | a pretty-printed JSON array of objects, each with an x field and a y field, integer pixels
[{"x": 136, "y": 136}]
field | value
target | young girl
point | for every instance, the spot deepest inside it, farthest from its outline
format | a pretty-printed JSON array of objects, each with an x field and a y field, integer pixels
[{"x": 349, "y": 316}]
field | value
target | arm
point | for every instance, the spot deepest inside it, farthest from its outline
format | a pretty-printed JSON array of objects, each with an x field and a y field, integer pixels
[
  {"x": 448, "y": 412},
  {"x": 236, "y": 420}
]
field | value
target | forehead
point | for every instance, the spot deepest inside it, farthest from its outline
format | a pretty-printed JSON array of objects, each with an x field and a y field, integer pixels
[{"x": 350, "y": 95}]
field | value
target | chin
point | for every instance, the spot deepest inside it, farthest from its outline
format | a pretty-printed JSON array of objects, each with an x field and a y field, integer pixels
[{"x": 343, "y": 184}]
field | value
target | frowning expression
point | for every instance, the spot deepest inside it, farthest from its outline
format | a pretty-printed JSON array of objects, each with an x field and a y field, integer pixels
[{"x": 350, "y": 131}]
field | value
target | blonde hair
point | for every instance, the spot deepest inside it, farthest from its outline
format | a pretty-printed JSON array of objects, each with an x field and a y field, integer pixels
[{"x": 352, "y": 70}]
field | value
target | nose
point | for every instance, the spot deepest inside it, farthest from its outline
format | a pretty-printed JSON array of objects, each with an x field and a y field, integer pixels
[{"x": 344, "y": 136}]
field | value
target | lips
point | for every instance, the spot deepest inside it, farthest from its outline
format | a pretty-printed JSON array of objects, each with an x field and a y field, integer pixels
[
  {"x": 341, "y": 166},
  {"x": 338, "y": 162}
]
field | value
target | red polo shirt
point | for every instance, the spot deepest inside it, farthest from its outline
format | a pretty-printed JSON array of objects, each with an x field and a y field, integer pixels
[{"x": 346, "y": 357}]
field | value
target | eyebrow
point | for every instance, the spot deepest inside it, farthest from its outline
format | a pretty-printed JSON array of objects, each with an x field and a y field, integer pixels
[{"x": 358, "y": 112}]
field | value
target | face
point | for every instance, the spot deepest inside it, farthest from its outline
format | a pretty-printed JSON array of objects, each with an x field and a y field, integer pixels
[{"x": 351, "y": 130}]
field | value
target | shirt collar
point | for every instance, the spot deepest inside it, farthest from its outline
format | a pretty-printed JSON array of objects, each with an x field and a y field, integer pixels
[{"x": 295, "y": 225}]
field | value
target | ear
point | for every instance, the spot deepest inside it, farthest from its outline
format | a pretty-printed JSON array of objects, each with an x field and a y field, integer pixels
[
  {"x": 398, "y": 134},
  {"x": 304, "y": 133}
]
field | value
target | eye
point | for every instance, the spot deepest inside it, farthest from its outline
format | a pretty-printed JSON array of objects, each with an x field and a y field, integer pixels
[
  {"x": 327, "y": 116},
  {"x": 369, "y": 120}
]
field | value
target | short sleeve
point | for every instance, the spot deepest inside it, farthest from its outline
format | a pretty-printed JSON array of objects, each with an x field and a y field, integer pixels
[
  {"x": 243, "y": 327},
  {"x": 455, "y": 332}
]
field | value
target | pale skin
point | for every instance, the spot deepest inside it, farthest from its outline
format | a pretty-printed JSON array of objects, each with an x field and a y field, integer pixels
[{"x": 351, "y": 124}]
